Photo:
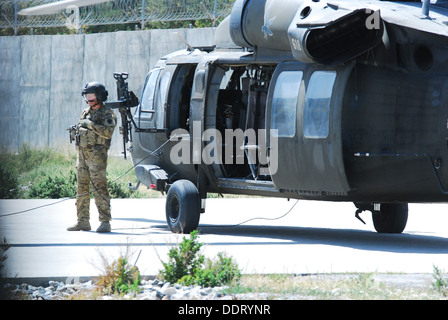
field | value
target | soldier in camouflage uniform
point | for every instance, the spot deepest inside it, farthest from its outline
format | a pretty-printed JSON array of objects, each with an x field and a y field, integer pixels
[{"x": 93, "y": 137}]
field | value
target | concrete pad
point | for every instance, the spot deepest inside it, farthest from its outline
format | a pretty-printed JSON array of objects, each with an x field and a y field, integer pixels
[{"x": 263, "y": 235}]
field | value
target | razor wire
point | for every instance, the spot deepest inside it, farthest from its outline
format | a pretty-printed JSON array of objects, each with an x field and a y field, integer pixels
[{"x": 114, "y": 12}]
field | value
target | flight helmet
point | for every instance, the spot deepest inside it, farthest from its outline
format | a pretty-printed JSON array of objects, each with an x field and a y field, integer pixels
[{"x": 98, "y": 89}]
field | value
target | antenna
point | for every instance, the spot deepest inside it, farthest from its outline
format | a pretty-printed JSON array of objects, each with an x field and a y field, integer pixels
[{"x": 190, "y": 48}]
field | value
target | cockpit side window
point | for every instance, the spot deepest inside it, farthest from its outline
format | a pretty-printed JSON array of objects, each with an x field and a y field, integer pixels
[
  {"x": 284, "y": 103},
  {"x": 316, "y": 119},
  {"x": 147, "y": 100}
]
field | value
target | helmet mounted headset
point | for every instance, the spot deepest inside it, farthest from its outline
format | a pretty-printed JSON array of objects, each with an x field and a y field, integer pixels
[{"x": 98, "y": 89}]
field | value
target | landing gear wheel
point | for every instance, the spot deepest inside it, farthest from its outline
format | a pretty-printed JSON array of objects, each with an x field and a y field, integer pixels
[
  {"x": 391, "y": 218},
  {"x": 183, "y": 207}
]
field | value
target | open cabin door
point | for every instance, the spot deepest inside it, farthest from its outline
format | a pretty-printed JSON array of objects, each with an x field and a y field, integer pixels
[{"x": 304, "y": 107}]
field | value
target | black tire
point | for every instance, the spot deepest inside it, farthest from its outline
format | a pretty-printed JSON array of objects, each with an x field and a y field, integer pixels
[
  {"x": 183, "y": 207},
  {"x": 391, "y": 218}
]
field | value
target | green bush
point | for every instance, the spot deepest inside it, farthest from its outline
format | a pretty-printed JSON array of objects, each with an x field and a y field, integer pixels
[
  {"x": 9, "y": 182},
  {"x": 440, "y": 283},
  {"x": 54, "y": 187},
  {"x": 119, "y": 278},
  {"x": 4, "y": 246},
  {"x": 219, "y": 272},
  {"x": 51, "y": 173},
  {"x": 188, "y": 267},
  {"x": 60, "y": 186},
  {"x": 184, "y": 261},
  {"x": 118, "y": 190},
  {"x": 32, "y": 168}
]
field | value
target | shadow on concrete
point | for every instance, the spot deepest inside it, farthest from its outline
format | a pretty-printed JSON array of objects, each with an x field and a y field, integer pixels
[{"x": 356, "y": 239}]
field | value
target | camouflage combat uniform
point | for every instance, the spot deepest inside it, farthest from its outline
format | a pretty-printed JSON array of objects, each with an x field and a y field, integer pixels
[{"x": 94, "y": 143}]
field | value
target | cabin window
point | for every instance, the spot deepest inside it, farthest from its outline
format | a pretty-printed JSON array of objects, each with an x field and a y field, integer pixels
[
  {"x": 147, "y": 101},
  {"x": 161, "y": 99},
  {"x": 316, "y": 118},
  {"x": 284, "y": 103}
]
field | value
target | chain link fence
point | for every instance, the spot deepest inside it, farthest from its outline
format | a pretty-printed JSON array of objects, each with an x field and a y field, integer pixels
[{"x": 112, "y": 12}]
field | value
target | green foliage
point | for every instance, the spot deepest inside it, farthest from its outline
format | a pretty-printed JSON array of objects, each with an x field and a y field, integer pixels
[
  {"x": 218, "y": 272},
  {"x": 4, "y": 246},
  {"x": 28, "y": 159},
  {"x": 183, "y": 260},
  {"x": 54, "y": 187},
  {"x": 31, "y": 167},
  {"x": 119, "y": 278},
  {"x": 188, "y": 267},
  {"x": 440, "y": 283},
  {"x": 118, "y": 190},
  {"x": 48, "y": 174},
  {"x": 60, "y": 186},
  {"x": 9, "y": 182}
]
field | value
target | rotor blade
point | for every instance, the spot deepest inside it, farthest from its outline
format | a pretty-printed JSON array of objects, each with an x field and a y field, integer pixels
[{"x": 57, "y": 7}]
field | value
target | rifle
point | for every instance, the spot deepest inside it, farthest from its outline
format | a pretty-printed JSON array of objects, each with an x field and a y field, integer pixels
[
  {"x": 73, "y": 133},
  {"x": 126, "y": 100}
]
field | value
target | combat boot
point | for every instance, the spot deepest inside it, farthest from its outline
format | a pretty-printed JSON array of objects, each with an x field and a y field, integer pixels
[
  {"x": 81, "y": 225},
  {"x": 104, "y": 227}
]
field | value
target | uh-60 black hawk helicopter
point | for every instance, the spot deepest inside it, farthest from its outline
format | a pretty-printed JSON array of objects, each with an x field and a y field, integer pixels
[{"x": 315, "y": 100}]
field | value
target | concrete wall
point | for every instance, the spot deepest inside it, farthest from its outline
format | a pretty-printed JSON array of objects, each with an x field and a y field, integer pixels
[{"x": 42, "y": 77}]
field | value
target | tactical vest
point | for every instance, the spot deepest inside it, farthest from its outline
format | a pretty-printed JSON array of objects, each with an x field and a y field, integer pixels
[{"x": 89, "y": 138}]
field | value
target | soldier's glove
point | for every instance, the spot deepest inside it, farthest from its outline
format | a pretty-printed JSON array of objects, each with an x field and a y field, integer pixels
[{"x": 85, "y": 123}]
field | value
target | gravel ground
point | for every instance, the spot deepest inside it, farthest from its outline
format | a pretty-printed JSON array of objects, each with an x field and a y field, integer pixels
[{"x": 153, "y": 289}]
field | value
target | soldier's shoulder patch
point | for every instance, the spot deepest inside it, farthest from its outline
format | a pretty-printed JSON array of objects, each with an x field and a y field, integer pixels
[{"x": 109, "y": 121}]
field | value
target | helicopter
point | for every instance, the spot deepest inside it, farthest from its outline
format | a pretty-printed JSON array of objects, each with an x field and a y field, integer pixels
[{"x": 299, "y": 99}]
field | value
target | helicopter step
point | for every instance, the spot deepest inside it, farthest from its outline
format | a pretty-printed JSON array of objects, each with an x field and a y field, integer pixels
[
  {"x": 152, "y": 176},
  {"x": 256, "y": 186}
]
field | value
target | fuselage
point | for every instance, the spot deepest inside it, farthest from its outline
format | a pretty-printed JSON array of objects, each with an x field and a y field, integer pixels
[{"x": 368, "y": 126}]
